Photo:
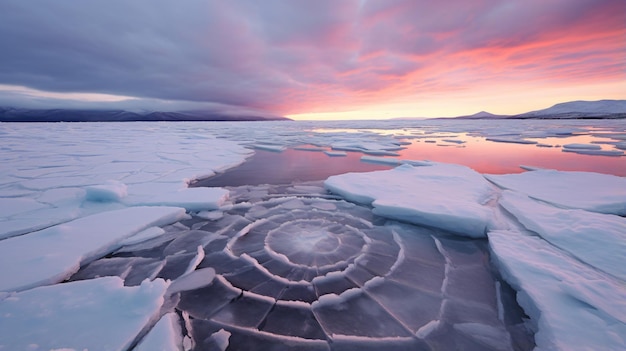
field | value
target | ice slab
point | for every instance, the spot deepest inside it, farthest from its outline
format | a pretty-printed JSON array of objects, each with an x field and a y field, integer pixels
[
  {"x": 382, "y": 160},
  {"x": 268, "y": 147},
  {"x": 583, "y": 190},
  {"x": 194, "y": 280},
  {"x": 336, "y": 153},
  {"x": 192, "y": 199},
  {"x": 166, "y": 335},
  {"x": 413, "y": 194},
  {"x": 582, "y": 146},
  {"x": 511, "y": 140},
  {"x": 573, "y": 306},
  {"x": 53, "y": 254},
  {"x": 595, "y": 152},
  {"x": 97, "y": 314},
  {"x": 143, "y": 235},
  {"x": 596, "y": 239},
  {"x": 111, "y": 191}
]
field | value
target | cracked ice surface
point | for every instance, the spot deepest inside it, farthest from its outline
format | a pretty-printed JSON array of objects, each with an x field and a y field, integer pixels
[
  {"x": 314, "y": 272},
  {"x": 240, "y": 281},
  {"x": 78, "y": 169},
  {"x": 570, "y": 278},
  {"x": 50, "y": 255}
]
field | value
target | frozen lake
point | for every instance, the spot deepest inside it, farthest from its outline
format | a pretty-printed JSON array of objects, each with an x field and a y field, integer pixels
[{"x": 438, "y": 241}]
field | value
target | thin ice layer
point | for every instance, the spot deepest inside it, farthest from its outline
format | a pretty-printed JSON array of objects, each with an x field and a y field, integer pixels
[
  {"x": 53, "y": 254},
  {"x": 97, "y": 314},
  {"x": 446, "y": 196},
  {"x": 596, "y": 239},
  {"x": 583, "y": 190},
  {"x": 574, "y": 306}
]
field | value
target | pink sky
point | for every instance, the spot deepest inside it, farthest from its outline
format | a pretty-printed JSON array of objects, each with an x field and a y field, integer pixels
[{"x": 348, "y": 59}]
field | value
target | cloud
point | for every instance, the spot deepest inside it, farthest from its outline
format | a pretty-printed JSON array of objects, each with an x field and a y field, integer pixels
[{"x": 305, "y": 56}]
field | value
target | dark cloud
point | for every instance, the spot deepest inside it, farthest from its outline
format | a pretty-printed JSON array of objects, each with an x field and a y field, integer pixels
[{"x": 288, "y": 56}]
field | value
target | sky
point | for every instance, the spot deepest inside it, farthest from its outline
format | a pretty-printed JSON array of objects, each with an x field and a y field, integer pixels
[{"x": 312, "y": 59}]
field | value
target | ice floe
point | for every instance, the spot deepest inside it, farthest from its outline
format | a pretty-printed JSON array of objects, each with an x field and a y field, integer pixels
[
  {"x": 597, "y": 239},
  {"x": 573, "y": 306},
  {"x": 582, "y": 146},
  {"x": 53, "y": 254},
  {"x": 413, "y": 194},
  {"x": 95, "y": 314},
  {"x": 594, "y": 152},
  {"x": 583, "y": 190},
  {"x": 511, "y": 140}
]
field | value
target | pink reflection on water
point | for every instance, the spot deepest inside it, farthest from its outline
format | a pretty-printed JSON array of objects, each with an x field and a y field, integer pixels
[{"x": 499, "y": 158}]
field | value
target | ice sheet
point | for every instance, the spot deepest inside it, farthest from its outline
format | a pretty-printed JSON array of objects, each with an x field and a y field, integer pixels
[
  {"x": 97, "y": 314},
  {"x": 414, "y": 194},
  {"x": 583, "y": 190},
  {"x": 574, "y": 306},
  {"x": 53, "y": 254},
  {"x": 58, "y": 172}
]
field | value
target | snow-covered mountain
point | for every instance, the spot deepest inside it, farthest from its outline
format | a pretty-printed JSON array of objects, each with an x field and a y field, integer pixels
[
  {"x": 482, "y": 115},
  {"x": 581, "y": 109}
]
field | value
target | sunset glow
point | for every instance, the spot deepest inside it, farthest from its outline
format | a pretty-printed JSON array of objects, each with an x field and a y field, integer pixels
[{"x": 316, "y": 60}]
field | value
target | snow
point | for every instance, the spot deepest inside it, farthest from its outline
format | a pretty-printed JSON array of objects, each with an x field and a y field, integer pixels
[
  {"x": 411, "y": 194},
  {"x": 96, "y": 314},
  {"x": 589, "y": 108},
  {"x": 53, "y": 254},
  {"x": 589, "y": 191}
]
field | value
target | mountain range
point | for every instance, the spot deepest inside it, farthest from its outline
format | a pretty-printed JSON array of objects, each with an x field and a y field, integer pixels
[
  {"x": 601, "y": 109},
  {"x": 10, "y": 114}
]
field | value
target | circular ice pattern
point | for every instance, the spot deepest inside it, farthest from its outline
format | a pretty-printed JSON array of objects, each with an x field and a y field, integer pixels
[{"x": 309, "y": 271}]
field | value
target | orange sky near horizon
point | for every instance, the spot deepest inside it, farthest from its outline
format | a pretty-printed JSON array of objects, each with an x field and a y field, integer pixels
[{"x": 322, "y": 60}]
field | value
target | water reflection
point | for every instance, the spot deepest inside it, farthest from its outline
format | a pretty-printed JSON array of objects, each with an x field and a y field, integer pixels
[
  {"x": 291, "y": 165},
  {"x": 501, "y": 158}
]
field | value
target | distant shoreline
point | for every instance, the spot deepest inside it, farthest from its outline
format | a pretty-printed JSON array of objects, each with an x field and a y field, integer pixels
[{"x": 67, "y": 115}]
